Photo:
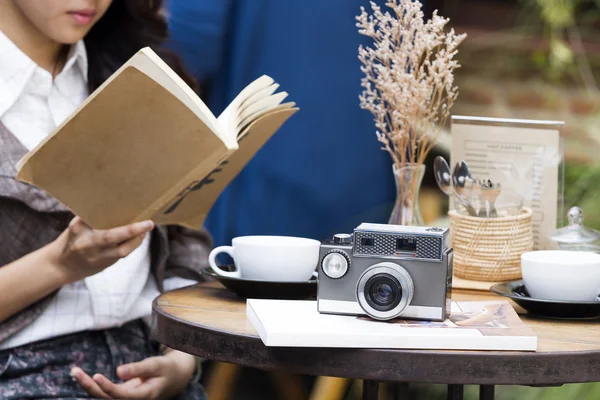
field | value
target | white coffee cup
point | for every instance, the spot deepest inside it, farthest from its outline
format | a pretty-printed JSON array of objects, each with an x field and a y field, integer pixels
[
  {"x": 561, "y": 275},
  {"x": 270, "y": 258}
]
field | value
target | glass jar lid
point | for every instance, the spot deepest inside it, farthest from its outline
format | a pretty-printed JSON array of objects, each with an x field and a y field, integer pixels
[{"x": 575, "y": 232}]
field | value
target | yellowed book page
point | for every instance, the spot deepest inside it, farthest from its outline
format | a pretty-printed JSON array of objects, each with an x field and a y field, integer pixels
[
  {"x": 266, "y": 92},
  {"x": 191, "y": 205},
  {"x": 265, "y": 104},
  {"x": 228, "y": 118},
  {"x": 243, "y": 125},
  {"x": 127, "y": 151}
]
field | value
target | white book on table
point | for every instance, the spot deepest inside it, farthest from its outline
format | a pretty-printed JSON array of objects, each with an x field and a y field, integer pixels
[{"x": 485, "y": 325}]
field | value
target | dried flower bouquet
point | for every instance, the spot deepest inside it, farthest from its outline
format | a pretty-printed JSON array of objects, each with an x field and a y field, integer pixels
[{"x": 409, "y": 82}]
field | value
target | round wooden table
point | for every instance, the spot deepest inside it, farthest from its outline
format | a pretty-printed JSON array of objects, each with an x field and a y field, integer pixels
[{"x": 209, "y": 321}]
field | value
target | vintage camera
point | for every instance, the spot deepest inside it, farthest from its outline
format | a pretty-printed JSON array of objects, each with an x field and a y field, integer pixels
[{"x": 387, "y": 271}]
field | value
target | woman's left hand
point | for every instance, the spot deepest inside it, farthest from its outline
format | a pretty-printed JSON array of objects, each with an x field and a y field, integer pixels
[{"x": 159, "y": 377}]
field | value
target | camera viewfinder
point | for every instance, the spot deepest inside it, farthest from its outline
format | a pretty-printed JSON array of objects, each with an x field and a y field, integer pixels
[
  {"x": 367, "y": 242},
  {"x": 404, "y": 244}
]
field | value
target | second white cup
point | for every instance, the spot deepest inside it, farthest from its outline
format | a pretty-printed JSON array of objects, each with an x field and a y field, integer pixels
[{"x": 561, "y": 275}]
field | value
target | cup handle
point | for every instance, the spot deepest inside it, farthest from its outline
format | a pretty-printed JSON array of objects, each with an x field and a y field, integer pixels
[{"x": 213, "y": 263}]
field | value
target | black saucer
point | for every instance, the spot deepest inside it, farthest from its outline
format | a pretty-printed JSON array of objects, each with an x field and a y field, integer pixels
[
  {"x": 248, "y": 288},
  {"x": 547, "y": 308}
]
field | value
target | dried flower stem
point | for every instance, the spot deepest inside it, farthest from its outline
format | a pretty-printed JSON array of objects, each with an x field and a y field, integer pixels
[{"x": 408, "y": 83}]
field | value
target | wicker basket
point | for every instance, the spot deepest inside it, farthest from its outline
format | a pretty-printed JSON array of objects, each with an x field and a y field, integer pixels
[{"x": 489, "y": 249}]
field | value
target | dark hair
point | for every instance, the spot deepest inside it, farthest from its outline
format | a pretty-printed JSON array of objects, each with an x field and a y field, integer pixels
[{"x": 126, "y": 27}]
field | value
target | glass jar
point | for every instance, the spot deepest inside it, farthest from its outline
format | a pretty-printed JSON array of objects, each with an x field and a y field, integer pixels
[{"x": 575, "y": 236}]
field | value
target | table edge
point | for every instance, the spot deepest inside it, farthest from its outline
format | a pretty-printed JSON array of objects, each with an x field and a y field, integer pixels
[{"x": 453, "y": 367}]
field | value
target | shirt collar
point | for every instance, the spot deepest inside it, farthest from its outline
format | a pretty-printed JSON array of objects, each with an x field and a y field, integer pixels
[
  {"x": 16, "y": 69},
  {"x": 78, "y": 55}
]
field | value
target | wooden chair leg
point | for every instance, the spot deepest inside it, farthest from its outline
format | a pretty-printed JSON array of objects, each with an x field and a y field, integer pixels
[
  {"x": 289, "y": 386},
  {"x": 220, "y": 383},
  {"x": 356, "y": 388},
  {"x": 384, "y": 391},
  {"x": 329, "y": 388}
]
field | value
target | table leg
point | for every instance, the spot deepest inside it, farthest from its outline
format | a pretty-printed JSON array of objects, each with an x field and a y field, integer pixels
[
  {"x": 455, "y": 392},
  {"x": 400, "y": 391},
  {"x": 370, "y": 390},
  {"x": 486, "y": 392}
]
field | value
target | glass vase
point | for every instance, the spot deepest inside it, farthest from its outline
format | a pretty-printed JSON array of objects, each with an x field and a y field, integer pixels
[{"x": 408, "y": 182}]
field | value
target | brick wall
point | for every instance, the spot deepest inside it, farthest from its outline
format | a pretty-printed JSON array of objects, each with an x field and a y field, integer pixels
[
  {"x": 532, "y": 99},
  {"x": 502, "y": 81}
]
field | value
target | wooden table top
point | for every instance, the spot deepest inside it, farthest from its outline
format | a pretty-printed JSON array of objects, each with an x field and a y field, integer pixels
[{"x": 210, "y": 321}]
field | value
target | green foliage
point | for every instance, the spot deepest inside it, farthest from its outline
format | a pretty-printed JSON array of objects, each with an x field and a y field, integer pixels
[
  {"x": 585, "y": 391},
  {"x": 560, "y": 21},
  {"x": 582, "y": 188},
  {"x": 558, "y": 14}
]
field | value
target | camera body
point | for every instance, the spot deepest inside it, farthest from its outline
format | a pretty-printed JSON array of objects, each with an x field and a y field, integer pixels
[{"x": 387, "y": 271}]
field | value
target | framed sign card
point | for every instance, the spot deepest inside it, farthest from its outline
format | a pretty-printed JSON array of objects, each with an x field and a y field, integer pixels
[{"x": 524, "y": 156}]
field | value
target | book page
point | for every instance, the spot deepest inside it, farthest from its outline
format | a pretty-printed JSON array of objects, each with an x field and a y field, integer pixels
[
  {"x": 192, "y": 203},
  {"x": 261, "y": 94},
  {"x": 259, "y": 105},
  {"x": 524, "y": 156},
  {"x": 228, "y": 118}
]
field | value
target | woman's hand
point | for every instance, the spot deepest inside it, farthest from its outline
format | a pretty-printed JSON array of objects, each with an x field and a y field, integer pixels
[
  {"x": 160, "y": 377},
  {"x": 81, "y": 251}
]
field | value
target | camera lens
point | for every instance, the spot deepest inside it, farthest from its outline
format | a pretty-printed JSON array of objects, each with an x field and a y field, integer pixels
[{"x": 383, "y": 292}]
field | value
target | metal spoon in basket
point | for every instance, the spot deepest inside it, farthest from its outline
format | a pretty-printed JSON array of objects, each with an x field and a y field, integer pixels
[
  {"x": 443, "y": 177},
  {"x": 463, "y": 184},
  {"x": 488, "y": 193}
]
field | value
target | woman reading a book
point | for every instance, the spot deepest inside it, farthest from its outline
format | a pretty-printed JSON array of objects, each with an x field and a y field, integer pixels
[{"x": 74, "y": 301}]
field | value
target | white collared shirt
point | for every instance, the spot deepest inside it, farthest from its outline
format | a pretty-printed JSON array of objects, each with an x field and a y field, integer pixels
[{"x": 32, "y": 105}]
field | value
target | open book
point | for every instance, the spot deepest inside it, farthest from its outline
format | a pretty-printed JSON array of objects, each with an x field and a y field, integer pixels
[
  {"x": 144, "y": 146},
  {"x": 473, "y": 325}
]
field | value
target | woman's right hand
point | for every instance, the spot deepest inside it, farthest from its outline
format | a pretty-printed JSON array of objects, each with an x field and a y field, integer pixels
[{"x": 81, "y": 251}]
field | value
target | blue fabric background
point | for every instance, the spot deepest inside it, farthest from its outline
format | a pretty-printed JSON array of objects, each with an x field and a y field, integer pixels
[{"x": 324, "y": 171}]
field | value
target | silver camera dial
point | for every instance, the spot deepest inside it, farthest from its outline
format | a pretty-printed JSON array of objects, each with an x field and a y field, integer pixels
[
  {"x": 335, "y": 264},
  {"x": 342, "y": 238},
  {"x": 384, "y": 290}
]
